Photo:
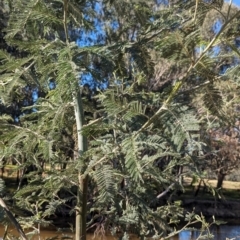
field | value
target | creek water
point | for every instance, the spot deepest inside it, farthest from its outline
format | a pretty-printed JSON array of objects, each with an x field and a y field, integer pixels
[{"x": 223, "y": 232}]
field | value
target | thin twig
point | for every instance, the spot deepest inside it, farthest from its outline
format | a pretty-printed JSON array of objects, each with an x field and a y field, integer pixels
[{"x": 65, "y": 20}]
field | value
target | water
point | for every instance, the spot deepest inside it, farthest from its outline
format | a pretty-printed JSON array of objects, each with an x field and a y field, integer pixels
[
  {"x": 223, "y": 232},
  {"x": 44, "y": 235}
]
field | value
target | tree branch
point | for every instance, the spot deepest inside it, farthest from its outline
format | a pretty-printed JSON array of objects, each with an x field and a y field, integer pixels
[
  {"x": 13, "y": 219},
  {"x": 165, "y": 191}
]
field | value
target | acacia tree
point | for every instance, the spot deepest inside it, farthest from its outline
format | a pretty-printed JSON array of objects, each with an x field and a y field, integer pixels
[
  {"x": 124, "y": 171},
  {"x": 221, "y": 132}
]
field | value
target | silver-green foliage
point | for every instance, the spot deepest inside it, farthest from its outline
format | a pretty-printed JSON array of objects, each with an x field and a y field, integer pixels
[{"x": 140, "y": 140}]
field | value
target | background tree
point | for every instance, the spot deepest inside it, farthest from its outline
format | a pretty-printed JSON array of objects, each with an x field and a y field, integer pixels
[{"x": 221, "y": 132}]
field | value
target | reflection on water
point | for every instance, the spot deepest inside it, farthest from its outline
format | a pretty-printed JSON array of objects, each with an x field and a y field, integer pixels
[
  {"x": 45, "y": 234},
  {"x": 222, "y": 232}
]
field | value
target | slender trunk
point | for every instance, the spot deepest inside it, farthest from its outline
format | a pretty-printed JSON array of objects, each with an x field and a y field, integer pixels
[
  {"x": 198, "y": 188},
  {"x": 220, "y": 178},
  {"x": 81, "y": 207}
]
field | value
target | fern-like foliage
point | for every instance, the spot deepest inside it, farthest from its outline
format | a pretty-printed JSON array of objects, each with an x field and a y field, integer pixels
[
  {"x": 139, "y": 139},
  {"x": 106, "y": 183},
  {"x": 132, "y": 158},
  {"x": 213, "y": 99}
]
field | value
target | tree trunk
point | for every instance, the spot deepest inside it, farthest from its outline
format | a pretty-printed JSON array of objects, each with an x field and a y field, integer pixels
[
  {"x": 81, "y": 207},
  {"x": 81, "y": 214},
  {"x": 198, "y": 188},
  {"x": 220, "y": 178}
]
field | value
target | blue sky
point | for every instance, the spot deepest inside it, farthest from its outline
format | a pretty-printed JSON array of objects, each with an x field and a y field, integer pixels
[{"x": 237, "y": 2}]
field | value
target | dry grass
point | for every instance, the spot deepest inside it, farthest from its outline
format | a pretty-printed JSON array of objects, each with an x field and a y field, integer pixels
[{"x": 226, "y": 184}]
